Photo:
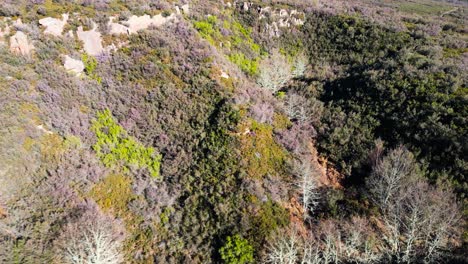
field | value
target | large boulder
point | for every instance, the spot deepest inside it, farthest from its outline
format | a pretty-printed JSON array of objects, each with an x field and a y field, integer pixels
[
  {"x": 186, "y": 9},
  {"x": 74, "y": 66},
  {"x": 136, "y": 23},
  {"x": 54, "y": 26},
  {"x": 91, "y": 39},
  {"x": 116, "y": 28},
  {"x": 19, "y": 44}
]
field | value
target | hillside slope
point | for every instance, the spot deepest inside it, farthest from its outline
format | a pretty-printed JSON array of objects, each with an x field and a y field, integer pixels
[{"x": 233, "y": 132}]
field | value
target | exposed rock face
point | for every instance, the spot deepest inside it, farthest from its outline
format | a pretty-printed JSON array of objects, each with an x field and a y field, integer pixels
[
  {"x": 41, "y": 128},
  {"x": 19, "y": 44},
  {"x": 73, "y": 66},
  {"x": 185, "y": 9},
  {"x": 54, "y": 26},
  {"x": 283, "y": 17},
  {"x": 224, "y": 75},
  {"x": 280, "y": 19},
  {"x": 92, "y": 40},
  {"x": 283, "y": 13},
  {"x": 136, "y": 23},
  {"x": 273, "y": 29},
  {"x": 277, "y": 18},
  {"x": 246, "y": 6},
  {"x": 116, "y": 28}
]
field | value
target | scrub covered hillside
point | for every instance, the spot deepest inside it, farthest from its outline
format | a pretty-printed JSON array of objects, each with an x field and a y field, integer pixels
[{"x": 233, "y": 132}]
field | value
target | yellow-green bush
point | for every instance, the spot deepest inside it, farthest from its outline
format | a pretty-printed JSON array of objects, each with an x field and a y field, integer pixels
[
  {"x": 207, "y": 29},
  {"x": 249, "y": 66},
  {"x": 90, "y": 64},
  {"x": 261, "y": 154},
  {"x": 237, "y": 250},
  {"x": 113, "y": 194},
  {"x": 241, "y": 49},
  {"x": 115, "y": 147}
]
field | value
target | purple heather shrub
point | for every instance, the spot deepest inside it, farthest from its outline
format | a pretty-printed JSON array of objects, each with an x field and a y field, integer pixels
[
  {"x": 103, "y": 57},
  {"x": 262, "y": 112},
  {"x": 296, "y": 138}
]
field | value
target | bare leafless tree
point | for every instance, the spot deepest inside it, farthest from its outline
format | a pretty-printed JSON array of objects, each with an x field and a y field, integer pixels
[
  {"x": 307, "y": 183},
  {"x": 443, "y": 226},
  {"x": 93, "y": 239},
  {"x": 285, "y": 250},
  {"x": 302, "y": 109},
  {"x": 289, "y": 247},
  {"x": 375, "y": 156},
  {"x": 420, "y": 220},
  {"x": 96, "y": 246},
  {"x": 299, "y": 66},
  {"x": 311, "y": 254},
  {"x": 390, "y": 175},
  {"x": 331, "y": 241},
  {"x": 359, "y": 241},
  {"x": 275, "y": 72},
  {"x": 295, "y": 106}
]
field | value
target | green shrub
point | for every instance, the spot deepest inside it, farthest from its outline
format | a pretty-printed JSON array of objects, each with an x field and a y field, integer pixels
[
  {"x": 238, "y": 41},
  {"x": 242, "y": 37},
  {"x": 114, "y": 146},
  {"x": 90, "y": 64},
  {"x": 236, "y": 250},
  {"x": 207, "y": 29},
  {"x": 204, "y": 27},
  {"x": 249, "y": 66},
  {"x": 113, "y": 194},
  {"x": 454, "y": 53},
  {"x": 260, "y": 152},
  {"x": 270, "y": 217}
]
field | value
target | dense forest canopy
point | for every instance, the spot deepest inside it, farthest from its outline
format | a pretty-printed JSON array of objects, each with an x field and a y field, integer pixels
[{"x": 233, "y": 132}]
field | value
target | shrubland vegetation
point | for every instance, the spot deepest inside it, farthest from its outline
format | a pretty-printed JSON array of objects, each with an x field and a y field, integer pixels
[
  {"x": 234, "y": 38},
  {"x": 406, "y": 93},
  {"x": 113, "y": 146},
  {"x": 210, "y": 140}
]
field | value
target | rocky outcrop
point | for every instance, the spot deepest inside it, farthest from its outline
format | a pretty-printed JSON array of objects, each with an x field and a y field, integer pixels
[
  {"x": 44, "y": 130},
  {"x": 224, "y": 75},
  {"x": 276, "y": 19},
  {"x": 246, "y": 6},
  {"x": 74, "y": 66},
  {"x": 116, "y": 28},
  {"x": 184, "y": 9},
  {"x": 283, "y": 17},
  {"x": 91, "y": 39},
  {"x": 54, "y": 26},
  {"x": 19, "y": 44},
  {"x": 136, "y": 23}
]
